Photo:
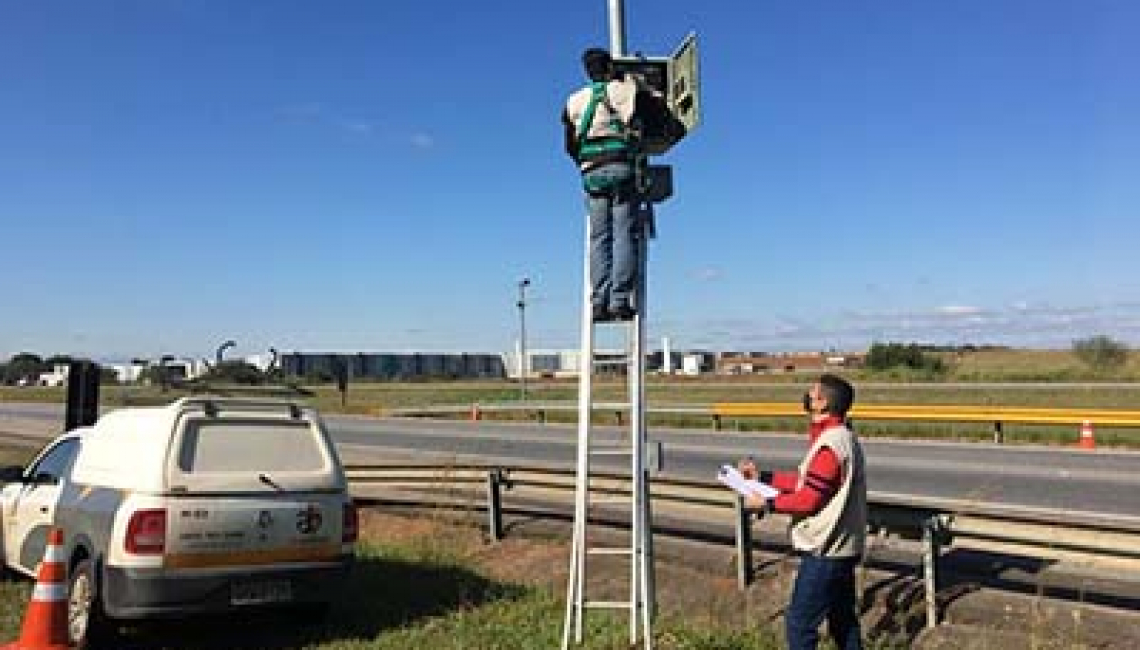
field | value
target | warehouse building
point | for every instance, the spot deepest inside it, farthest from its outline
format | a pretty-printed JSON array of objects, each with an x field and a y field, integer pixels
[{"x": 393, "y": 365}]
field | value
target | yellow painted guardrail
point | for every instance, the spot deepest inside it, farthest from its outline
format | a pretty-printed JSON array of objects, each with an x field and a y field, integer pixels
[{"x": 943, "y": 413}]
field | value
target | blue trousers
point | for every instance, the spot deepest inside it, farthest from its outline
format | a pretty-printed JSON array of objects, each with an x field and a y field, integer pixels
[
  {"x": 825, "y": 588},
  {"x": 613, "y": 236}
]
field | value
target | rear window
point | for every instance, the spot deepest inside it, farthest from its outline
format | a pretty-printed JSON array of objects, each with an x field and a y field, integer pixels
[{"x": 242, "y": 446}]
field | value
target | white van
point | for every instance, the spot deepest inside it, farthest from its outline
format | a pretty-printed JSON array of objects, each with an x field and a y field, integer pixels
[{"x": 205, "y": 505}]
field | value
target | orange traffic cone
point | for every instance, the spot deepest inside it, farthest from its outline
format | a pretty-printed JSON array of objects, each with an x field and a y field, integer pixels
[
  {"x": 45, "y": 621},
  {"x": 1088, "y": 441}
]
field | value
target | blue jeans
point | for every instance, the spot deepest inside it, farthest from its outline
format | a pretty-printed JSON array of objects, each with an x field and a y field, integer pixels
[
  {"x": 825, "y": 588},
  {"x": 613, "y": 235}
]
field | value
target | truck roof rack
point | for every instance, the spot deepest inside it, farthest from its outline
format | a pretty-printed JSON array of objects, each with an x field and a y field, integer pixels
[
  {"x": 212, "y": 405},
  {"x": 198, "y": 387}
]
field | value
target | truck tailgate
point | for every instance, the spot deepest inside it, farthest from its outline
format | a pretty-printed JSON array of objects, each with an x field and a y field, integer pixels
[{"x": 256, "y": 530}]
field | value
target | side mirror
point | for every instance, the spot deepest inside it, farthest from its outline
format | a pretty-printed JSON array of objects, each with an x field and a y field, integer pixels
[
  {"x": 42, "y": 478},
  {"x": 11, "y": 474}
]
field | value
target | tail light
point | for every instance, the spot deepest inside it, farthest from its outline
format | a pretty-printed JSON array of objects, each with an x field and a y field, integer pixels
[
  {"x": 351, "y": 524},
  {"x": 146, "y": 532}
]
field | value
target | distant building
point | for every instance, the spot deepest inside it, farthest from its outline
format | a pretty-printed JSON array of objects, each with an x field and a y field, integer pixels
[
  {"x": 57, "y": 376},
  {"x": 394, "y": 365},
  {"x": 567, "y": 362},
  {"x": 127, "y": 373},
  {"x": 698, "y": 363},
  {"x": 749, "y": 363}
]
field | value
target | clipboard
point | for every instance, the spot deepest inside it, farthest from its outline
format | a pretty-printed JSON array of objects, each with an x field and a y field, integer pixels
[{"x": 732, "y": 478}]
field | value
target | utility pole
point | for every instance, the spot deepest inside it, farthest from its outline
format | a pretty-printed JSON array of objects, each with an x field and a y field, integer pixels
[
  {"x": 222, "y": 350},
  {"x": 523, "y": 365},
  {"x": 617, "y": 28}
]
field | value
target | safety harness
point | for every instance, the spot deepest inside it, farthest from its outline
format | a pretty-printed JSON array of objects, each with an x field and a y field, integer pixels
[{"x": 608, "y": 146}]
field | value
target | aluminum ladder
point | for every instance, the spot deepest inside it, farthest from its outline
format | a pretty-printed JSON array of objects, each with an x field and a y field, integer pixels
[{"x": 638, "y": 554}]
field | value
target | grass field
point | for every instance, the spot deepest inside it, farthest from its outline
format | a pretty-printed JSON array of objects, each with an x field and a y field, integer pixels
[{"x": 426, "y": 592}]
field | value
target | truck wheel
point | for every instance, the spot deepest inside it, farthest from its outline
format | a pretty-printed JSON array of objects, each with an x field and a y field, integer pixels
[{"x": 86, "y": 626}]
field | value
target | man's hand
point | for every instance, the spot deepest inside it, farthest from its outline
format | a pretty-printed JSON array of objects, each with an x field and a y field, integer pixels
[
  {"x": 757, "y": 503},
  {"x": 747, "y": 469}
]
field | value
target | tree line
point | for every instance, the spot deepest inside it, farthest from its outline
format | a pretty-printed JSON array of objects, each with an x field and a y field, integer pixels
[
  {"x": 1100, "y": 353},
  {"x": 25, "y": 368}
]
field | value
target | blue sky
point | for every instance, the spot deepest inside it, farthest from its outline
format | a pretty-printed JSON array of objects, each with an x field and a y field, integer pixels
[{"x": 379, "y": 175}]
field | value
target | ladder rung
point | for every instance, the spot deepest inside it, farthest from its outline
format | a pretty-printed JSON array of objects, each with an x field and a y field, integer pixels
[
  {"x": 612, "y": 550},
  {"x": 622, "y": 361},
  {"x": 621, "y": 499},
  {"x": 611, "y": 451},
  {"x": 607, "y": 604},
  {"x": 608, "y": 321}
]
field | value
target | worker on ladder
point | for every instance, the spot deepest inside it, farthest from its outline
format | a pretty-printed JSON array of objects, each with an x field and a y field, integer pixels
[{"x": 600, "y": 122}]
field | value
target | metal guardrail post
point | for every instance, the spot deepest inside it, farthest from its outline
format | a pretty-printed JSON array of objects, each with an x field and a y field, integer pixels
[
  {"x": 931, "y": 543},
  {"x": 651, "y": 561},
  {"x": 999, "y": 436},
  {"x": 743, "y": 545},
  {"x": 494, "y": 505}
]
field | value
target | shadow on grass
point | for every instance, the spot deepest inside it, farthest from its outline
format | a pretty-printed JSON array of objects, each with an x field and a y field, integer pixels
[{"x": 379, "y": 594}]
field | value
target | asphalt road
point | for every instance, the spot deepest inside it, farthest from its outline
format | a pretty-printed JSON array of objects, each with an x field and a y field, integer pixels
[{"x": 1101, "y": 481}]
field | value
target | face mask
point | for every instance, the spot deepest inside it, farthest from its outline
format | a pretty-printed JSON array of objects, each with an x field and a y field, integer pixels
[{"x": 807, "y": 402}]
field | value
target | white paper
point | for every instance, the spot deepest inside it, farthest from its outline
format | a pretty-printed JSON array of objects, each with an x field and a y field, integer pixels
[{"x": 747, "y": 487}]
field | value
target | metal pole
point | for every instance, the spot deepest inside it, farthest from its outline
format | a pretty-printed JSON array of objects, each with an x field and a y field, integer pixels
[
  {"x": 648, "y": 563},
  {"x": 743, "y": 545},
  {"x": 222, "y": 350},
  {"x": 523, "y": 284},
  {"x": 617, "y": 28},
  {"x": 494, "y": 505},
  {"x": 929, "y": 570}
]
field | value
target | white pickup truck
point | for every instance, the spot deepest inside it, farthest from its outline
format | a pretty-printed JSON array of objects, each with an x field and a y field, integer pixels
[{"x": 205, "y": 505}]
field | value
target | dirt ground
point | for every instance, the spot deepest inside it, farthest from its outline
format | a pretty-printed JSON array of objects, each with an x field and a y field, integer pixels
[{"x": 698, "y": 582}]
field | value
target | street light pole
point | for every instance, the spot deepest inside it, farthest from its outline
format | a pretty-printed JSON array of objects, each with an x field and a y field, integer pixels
[
  {"x": 523, "y": 284},
  {"x": 222, "y": 349}
]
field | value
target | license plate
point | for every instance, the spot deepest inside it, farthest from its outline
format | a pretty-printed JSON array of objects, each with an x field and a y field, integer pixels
[{"x": 259, "y": 593}]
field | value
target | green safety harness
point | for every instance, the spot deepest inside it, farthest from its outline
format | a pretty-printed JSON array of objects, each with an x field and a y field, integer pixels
[{"x": 600, "y": 146}]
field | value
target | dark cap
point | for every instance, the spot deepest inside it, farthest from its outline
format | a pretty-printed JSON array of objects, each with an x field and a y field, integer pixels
[
  {"x": 598, "y": 64},
  {"x": 596, "y": 56}
]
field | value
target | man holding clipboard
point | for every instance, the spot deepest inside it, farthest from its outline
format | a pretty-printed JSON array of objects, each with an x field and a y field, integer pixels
[{"x": 827, "y": 500}]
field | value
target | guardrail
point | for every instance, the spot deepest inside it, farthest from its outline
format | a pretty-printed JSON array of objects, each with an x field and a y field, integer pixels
[
  {"x": 998, "y": 416},
  {"x": 1094, "y": 540}
]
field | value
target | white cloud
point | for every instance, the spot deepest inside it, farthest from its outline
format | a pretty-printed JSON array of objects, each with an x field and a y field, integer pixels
[
  {"x": 958, "y": 310},
  {"x": 422, "y": 141},
  {"x": 1018, "y": 324},
  {"x": 708, "y": 274},
  {"x": 359, "y": 127}
]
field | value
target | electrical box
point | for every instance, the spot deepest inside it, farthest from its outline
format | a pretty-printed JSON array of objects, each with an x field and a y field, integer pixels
[
  {"x": 660, "y": 183},
  {"x": 672, "y": 109}
]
